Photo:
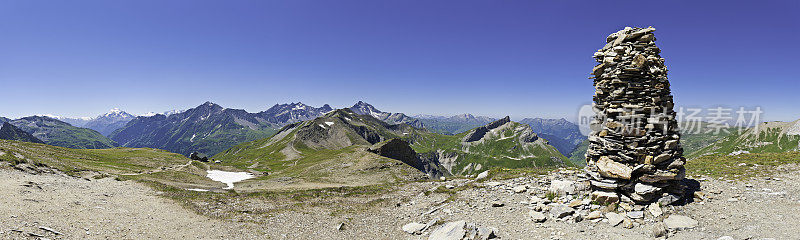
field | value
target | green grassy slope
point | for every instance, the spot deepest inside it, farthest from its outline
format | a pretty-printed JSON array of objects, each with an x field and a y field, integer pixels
[
  {"x": 114, "y": 160},
  {"x": 151, "y": 165}
]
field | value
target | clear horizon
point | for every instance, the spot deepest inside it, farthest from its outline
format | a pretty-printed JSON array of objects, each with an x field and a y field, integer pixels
[{"x": 523, "y": 59}]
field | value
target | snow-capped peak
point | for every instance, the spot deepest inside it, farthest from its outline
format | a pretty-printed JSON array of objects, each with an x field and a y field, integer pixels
[
  {"x": 363, "y": 108},
  {"x": 299, "y": 106},
  {"x": 116, "y": 113}
]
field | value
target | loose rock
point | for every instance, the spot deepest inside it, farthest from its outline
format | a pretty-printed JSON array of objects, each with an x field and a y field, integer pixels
[
  {"x": 614, "y": 219},
  {"x": 414, "y": 228},
  {"x": 537, "y": 216},
  {"x": 678, "y": 222}
]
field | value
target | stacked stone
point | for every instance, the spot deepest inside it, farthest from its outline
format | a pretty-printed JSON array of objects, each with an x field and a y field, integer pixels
[{"x": 634, "y": 153}]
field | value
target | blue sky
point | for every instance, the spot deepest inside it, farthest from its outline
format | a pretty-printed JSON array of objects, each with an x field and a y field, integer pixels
[{"x": 518, "y": 58}]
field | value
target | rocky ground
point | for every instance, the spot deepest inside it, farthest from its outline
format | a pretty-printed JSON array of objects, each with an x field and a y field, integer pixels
[{"x": 56, "y": 206}]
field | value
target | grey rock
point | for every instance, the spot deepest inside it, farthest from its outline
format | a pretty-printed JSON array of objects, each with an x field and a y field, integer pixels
[
  {"x": 537, "y": 216},
  {"x": 561, "y": 210},
  {"x": 659, "y": 230},
  {"x": 636, "y": 214},
  {"x": 519, "y": 189},
  {"x": 644, "y": 189},
  {"x": 486, "y": 233},
  {"x": 679, "y": 222},
  {"x": 668, "y": 199},
  {"x": 450, "y": 231},
  {"x": 594, "y": 215},
  {"x": 655, "y": 209},
  {"x": 414, "y": 228},
  {"x": 482, "y": 175},
  {"x": 614, "y": 219},
  {"x": 562, "y": 187}
]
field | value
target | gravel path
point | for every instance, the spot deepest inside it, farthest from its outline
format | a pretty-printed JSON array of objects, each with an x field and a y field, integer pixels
[{"x": 98, "y": 209}]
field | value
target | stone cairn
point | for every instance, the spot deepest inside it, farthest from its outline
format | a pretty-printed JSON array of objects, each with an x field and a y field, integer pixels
[{"x": 634, "y": 152}]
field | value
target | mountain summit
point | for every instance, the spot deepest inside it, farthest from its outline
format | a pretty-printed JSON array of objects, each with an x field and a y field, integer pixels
[
  {"x": 282, "y": 114},
  {"x": 107, "y": 123},
  {"x": 363, "y": 108}
]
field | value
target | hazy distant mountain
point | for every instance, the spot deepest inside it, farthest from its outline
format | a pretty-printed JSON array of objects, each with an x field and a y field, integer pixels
[
  {"x": 10, "y": 132},
  {"x": 363, "y": 108},
  {"x": 107, "y": 123},
  {"x": 2, "y": 120},
  {"x": 562, "y": 134},
  {"x": 62, "y": 134},
  {"x": 74, "y": 121},
  {"x": 282, "y": 114},
  {"x": 167, "y": 113},
  {"x": 453, "y": 125}
]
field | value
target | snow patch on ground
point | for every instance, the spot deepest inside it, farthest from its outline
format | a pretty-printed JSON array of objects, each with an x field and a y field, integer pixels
[
  {"x": 738, "y": 152},
  {"x": 329, "y": 123},
  {"x": 228, "y": 177},
  {"x": 192, "y": 139},
  {"x": 197, "y": 190},
  {"x": 322, "y": 126}
]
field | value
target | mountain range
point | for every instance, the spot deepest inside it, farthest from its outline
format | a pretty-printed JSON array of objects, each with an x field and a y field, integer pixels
[{"x": 210, "y": 128}]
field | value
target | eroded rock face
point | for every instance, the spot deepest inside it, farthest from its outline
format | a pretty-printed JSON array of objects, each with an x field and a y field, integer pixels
[
  {"x": 400, "y": 150},
  {"x": 635, "y": 146}
]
